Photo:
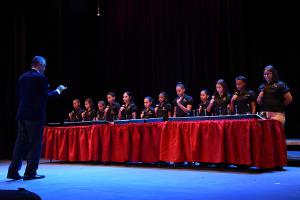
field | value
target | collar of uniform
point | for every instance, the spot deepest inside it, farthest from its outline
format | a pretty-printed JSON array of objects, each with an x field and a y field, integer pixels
[
  {"x": 129, "y": 105},
  {"x": 78, "y": 109},
  {"x": 35, "y": 70},
  {"x": 162, "y": 103},
  {"x": 206, "y": 102},
  {"x": 148, "y": 109},
  {"x": 184, "y": 97},
  {"x": 242, "y": 92},
  {"x": 113, "y": 103},
  {"x": 272, "y": 83},
  {"x": 221, "y": 96}
]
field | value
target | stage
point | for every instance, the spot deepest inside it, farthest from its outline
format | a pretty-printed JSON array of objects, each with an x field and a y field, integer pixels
[{"x": 71, "y": 181}]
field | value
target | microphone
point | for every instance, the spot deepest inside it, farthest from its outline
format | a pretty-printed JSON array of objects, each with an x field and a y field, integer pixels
[
  {"x": 106, "y": 108},
  {"x": 123, "y": 106}
]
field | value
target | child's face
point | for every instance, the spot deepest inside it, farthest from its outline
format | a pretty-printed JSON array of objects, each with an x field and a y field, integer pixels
[
  {"x": 87, "y": 105},
  {"x": 126, "y": 98},
  {"x": 100, "y": 106},
  {"x": 147, "y": 103},
  {"x": 180, "y": 91},
  {"x": 268, "y": 76},
  {"x": 76, "y": 104},
  {"x": 203, "y": 96},
  {"x": 161, "y": 98},
  {"x": 110, "y": 99},
  {"x": 240, "y": 84},
  {"x": 219, "y": 88}
]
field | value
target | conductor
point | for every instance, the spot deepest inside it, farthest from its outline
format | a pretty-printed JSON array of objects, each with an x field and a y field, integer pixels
[{"x": 32, "y": 93}]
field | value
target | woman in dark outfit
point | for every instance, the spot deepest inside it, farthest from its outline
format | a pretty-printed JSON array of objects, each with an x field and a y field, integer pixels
[
  {"x": 148, "y": 111},
  {"x": 128, "y": 109},
  {"x": 90, "y": 113},
  {"x": 243, "y": 101},
  {"x": 101, "y": 110},
  {"x": 183, "y": 103},
  {"x": 202, "y": 109},
  {"x": 220, "y": 102},
  {"x": 112, "y": 109},
  {"x": 163, "y": 109},
  {"x": 274, "y": 95}
]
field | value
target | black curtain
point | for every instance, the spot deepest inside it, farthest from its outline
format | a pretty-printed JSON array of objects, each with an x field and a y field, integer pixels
[{"x": 145, "y": 47}]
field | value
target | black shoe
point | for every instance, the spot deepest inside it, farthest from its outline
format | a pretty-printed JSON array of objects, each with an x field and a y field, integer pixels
[
  {"x": 279, "y": 168},
  {"x": 14, "y": 176},
  {"x": 26, "y": 177},
  {"x": 243, "y": 167}
]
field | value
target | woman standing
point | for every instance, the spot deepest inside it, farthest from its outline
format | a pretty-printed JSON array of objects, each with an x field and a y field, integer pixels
[
  {"x": 274, "y": 95},
  {"x": 183, "y": 103},
  {"x": 128, "y": 109},
  {"x": 220, "y": 102}
]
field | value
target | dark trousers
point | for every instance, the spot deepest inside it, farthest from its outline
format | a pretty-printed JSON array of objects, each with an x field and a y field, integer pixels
[{"x": 28, "y": 146}]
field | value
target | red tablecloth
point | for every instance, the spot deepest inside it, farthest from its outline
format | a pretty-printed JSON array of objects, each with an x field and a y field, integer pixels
[{"x": 252, "y": 142}]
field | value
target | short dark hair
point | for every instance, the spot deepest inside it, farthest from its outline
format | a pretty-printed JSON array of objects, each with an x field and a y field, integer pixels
[
  {"x": 180, "y": 84},
  {"x": 224, "y": 85},
  {"x": 149, "y": 98},
  {"x": 271, "y": 68},
  {"x": 128, "y": 93},
  {"x": 164, "y": 94},
  {"x": 78, "y": 100},
  {"x": 38, "y": 60},
  {"x": 205, "y": 91},
  {"x": 222, "y": 82},
  {"x": 111, "y": 94},
  {"x": 241, "y": 78},
  {"x": 101, "y": 102},
  {"x": 90, "y": 101}
]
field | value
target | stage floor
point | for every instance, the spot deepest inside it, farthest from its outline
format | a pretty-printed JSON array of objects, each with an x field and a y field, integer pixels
[{"x": 105, "y": 182}]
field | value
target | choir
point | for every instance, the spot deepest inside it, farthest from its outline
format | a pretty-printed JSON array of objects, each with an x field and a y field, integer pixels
[{"x": 273, "y": 96}]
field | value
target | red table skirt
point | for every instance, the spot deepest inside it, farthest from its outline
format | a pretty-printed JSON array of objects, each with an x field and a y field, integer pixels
[{"x": 252, "y": 142}]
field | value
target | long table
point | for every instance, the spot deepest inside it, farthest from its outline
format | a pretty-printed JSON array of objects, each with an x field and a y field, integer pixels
[{"x": 252, "y": 142}]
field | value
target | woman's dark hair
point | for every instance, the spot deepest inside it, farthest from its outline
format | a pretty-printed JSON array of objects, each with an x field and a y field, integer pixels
[
  {"x": 90, "y": 101},
  {"x": 205, "y": 91},
  {"x": 224, "y": 85},
  {"x": 102, "y": 102},
  {"x": 180, "y": 84},
  {"x": 149, "y": 98},
  {"x": 76, "y": 99},
  {"x": 275, "y": 76},
  {"x": 130, "y": 95},
  {"x": 164, "y": 94},
  {"x": 241, "y": 78},
  {"x": 111, "y": 94}
]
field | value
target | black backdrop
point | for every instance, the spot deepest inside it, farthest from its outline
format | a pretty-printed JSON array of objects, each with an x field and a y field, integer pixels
[{"x": 145, "y": 46}]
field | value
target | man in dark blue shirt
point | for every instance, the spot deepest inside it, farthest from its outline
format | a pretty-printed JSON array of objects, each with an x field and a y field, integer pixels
[{"x": 32, "y": 92}]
